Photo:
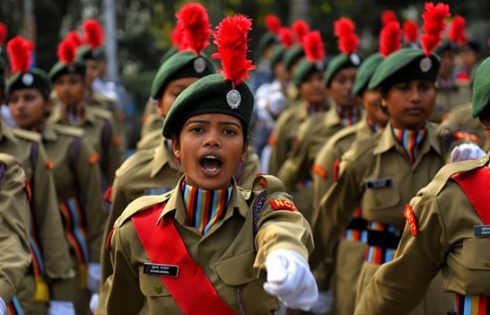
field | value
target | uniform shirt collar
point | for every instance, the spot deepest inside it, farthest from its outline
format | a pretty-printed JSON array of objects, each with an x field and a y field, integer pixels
[
  {"x": 48, "y": 133},
  {"x": 5, "y": 131},
  {"x": 162, "y": 157}
]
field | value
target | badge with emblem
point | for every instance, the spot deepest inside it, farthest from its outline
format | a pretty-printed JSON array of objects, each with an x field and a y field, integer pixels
[
  {"x": 319, "y": 65},
  {"x": 27, "y": 79},
  {"x": 425, "y": 64},
  {"x": 354, "y": 58},
  {"x": 199, "y": 65},
  {"x": 233, "y": 98}
]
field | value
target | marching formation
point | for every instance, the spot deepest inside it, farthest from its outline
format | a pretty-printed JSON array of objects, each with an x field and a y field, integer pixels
[{"x": 303, "y": 184}]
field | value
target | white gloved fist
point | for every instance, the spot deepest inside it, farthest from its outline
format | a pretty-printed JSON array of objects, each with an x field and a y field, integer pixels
[
  {"x": 61, "y": 307},
  {"x": 466, "y": 151},
  {"x": 3, "y": 307},
  {"x": 290, "y": 279},
  {"x": 94, "y": 300},
  {"x": 93, "y": 277},
  {"x": 324, "y": 304}
]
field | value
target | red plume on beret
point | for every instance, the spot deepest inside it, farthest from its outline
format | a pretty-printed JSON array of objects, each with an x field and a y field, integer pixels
[
  {"x": 273, "y": 23},
  {"x": 67, "y": 51},
  {"x": 313, "y": 46},
  {"x": 3, "y": 33},
  {"x": 178, "y": 40},
  {"x": 75, "y": 38},
  {"x": 94, "y": 34},
  {"x": 286, "y": 36},
  {"x": 347, "y": 38},
  {"x": 300, "y": 29},
  {"x": 231, "y": 37},
  {"x": 195, "y": 26},
  {"x": 457, "y": 32},
  {"x": 411, "y": 31},
  {"x": 390, "y": 38},
  {"x": 388, "y": 16},
  {"x": 434, "y": 25},
  {"x": 19, "y": 51}
]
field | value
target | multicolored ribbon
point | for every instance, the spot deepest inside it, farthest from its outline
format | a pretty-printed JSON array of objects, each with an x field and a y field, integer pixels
[
  {"x": 42, "y": 291},
  {"x": 349, "y": 116},
  {"x": 472, "y": 305},
  {"x": 356, "y": 234},
  {"x": 380, "y": 255},
  {"x": 75, "y": 227},
  {"x": 410, "y": 141},
  {"x": 205, "y": 207},
  {"x": 14, "y": 307}
]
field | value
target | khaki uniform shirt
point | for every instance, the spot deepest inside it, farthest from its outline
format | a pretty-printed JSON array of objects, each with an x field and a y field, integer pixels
[
  {"x": 284, "y": 134},
  {"x": 446, "y": 241},
  {"x": 76, "y": 175},
  {"x": 99, "y": 133},
  {"x": 375, "y": 158},
  {"x": 448, "y": 100},
  {"x": 460, "y": 118},
  {"x": 46, "y": 217},
  {"x": 14, "y": 225},
  {"x": 229, "y": 254},
  {"x": 150, "y": 124}
]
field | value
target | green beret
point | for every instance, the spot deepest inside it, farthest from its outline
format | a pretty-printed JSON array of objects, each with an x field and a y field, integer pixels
[
  {"x": 86, "y": 53},
  {"x": 61, "y": 68},
  {"x": 293, "y": 54},
  {"x": 211, "y": 94},
  {"x": 481, "y": 88},
  {"x": 277, "y": 55},
  {"x": 183, "y": 64},
  {"x": 266, "y": 40},
  {"x": 365, "y": 73},
  {"x": 446, "y": 45},
  {"x": 169, "y": 53},
  {"x": 404, "y": 65},
  {"x": 305, "y": 68},
  {"x": 32, "y": 79},
  {"x": 338, "y": 63}
]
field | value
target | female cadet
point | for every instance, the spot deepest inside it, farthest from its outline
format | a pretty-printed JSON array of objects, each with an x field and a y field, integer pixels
[
  {"x": 447, "y": 229},
  {"x": 381, "y": 173},
  {"x": 14, "y": 227},
  {"x": 68, "y": 79},
  {"x": 194, "y": 250},
  {"x": 76, "y": 177}
]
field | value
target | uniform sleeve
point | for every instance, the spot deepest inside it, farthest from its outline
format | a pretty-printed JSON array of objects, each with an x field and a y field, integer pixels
[
  {"x": 280, "y": 146},
  {"x": 88, "y": 180},
  {"x": 121, "y": 294},
  {"x": 281, "y": 228},
  {"x": 399, "y": 286},
  {"x": 14, "y": 224},
  {"x": 250, "y": 171},
  {"x": 113, "y": 152},
  {"x": 335, "y": 211}
]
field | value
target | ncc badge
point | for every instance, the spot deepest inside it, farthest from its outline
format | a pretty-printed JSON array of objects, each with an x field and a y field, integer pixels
[
  {"x": 411, "y": 220},
  {"x": 354, "y": 58},
  {"x": 283, "y": 204},
  {"x": 425, "y": 64},
  {"x": 161, "y": 270},
  {"x": 27, "y": 79},
  {"x": 199, "y": 65},
  {"x": 233, "y": 98}
]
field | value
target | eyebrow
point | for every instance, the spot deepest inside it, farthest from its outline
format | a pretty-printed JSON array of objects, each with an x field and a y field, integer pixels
[{"x": 207, "y": 122}]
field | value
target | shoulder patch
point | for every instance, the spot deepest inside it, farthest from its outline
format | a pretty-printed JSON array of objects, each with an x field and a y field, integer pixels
[
  {"x": 49, "y": 164},
  {"x": 99, "y": 112},
  {"x": 26, "y": 135},
  {"x": 319, "y": 170},
  {"x": 8, "y": 160},
  {"x": 283, "y": 204},
  {"x": 68, "y": 130},
  {"x": 93, "y": 158},
  {"x": 411, "y": 220}
]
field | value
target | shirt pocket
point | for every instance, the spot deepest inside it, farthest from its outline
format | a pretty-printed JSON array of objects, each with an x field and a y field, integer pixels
[
  {"x": 152, "y": 285},
  {"x": 476, "y": 260},
  {"x": 380, "y": 193},
  {"x": 237, "y": 270}
]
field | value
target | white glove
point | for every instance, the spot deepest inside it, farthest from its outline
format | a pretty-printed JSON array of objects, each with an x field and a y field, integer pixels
[
  {"x": 94, "y": 300},
  {"x": 324, "y": 304},
  {"x": 61, "y": 307},
  {"x": 3, "y": 307},
  {"x": 290, "y": 279},
  {"x": 93, "y": 277},
  {"x": 466, "y": 151}
]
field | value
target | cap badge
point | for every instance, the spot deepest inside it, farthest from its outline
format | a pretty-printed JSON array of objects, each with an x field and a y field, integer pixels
[
  {"x": 354, "y": 58},
  {"x": 233, "y": 98},
  {"x": 27, "y": 79},
  {"x": 319, "y": 65},
  {"x": 199, "y": 65},
  {"x": 425, "y": 64}
]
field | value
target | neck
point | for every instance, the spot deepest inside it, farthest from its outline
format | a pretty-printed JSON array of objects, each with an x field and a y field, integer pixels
[{"x": 398, "y": 125}]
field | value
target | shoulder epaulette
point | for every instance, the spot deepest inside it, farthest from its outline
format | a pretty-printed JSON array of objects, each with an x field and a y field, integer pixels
[
  {"x": 141, "y": 204},
  {"x": 99, "y": 112},
  {"x": 343, "y": 133},
  {"x": 7, "y": 159},
  {"x": 68, "y": 130},
  {"x": 360, "y": 148},
  {"x": 140, "y": 157},
  {"x": 26, "y": 135}
]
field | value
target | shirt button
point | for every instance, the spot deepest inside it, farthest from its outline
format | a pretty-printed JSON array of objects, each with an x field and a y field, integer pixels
[{"x": 158, "y": 289}]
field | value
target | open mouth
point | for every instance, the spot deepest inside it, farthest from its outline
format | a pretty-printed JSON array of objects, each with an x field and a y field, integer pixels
[{"x": 211, "y": 165}]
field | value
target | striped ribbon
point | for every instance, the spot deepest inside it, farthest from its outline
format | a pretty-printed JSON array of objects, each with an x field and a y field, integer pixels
[
  {"x": 75, "y": 226},
  {"x": 354, "y": 234},
  {"x": 41, "y": 292},
  {"x": 380, "y": 255},
  {"x": 375, "y": 127},
  {"x": 14, "y": 307},
  {"x": 472, "y": 305},
  {"x": 74, "y": 117},
  {"x": 205, "y": 207},
  {"x": 410, "y": 141},
  {"x": 348, "y": 116}
]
